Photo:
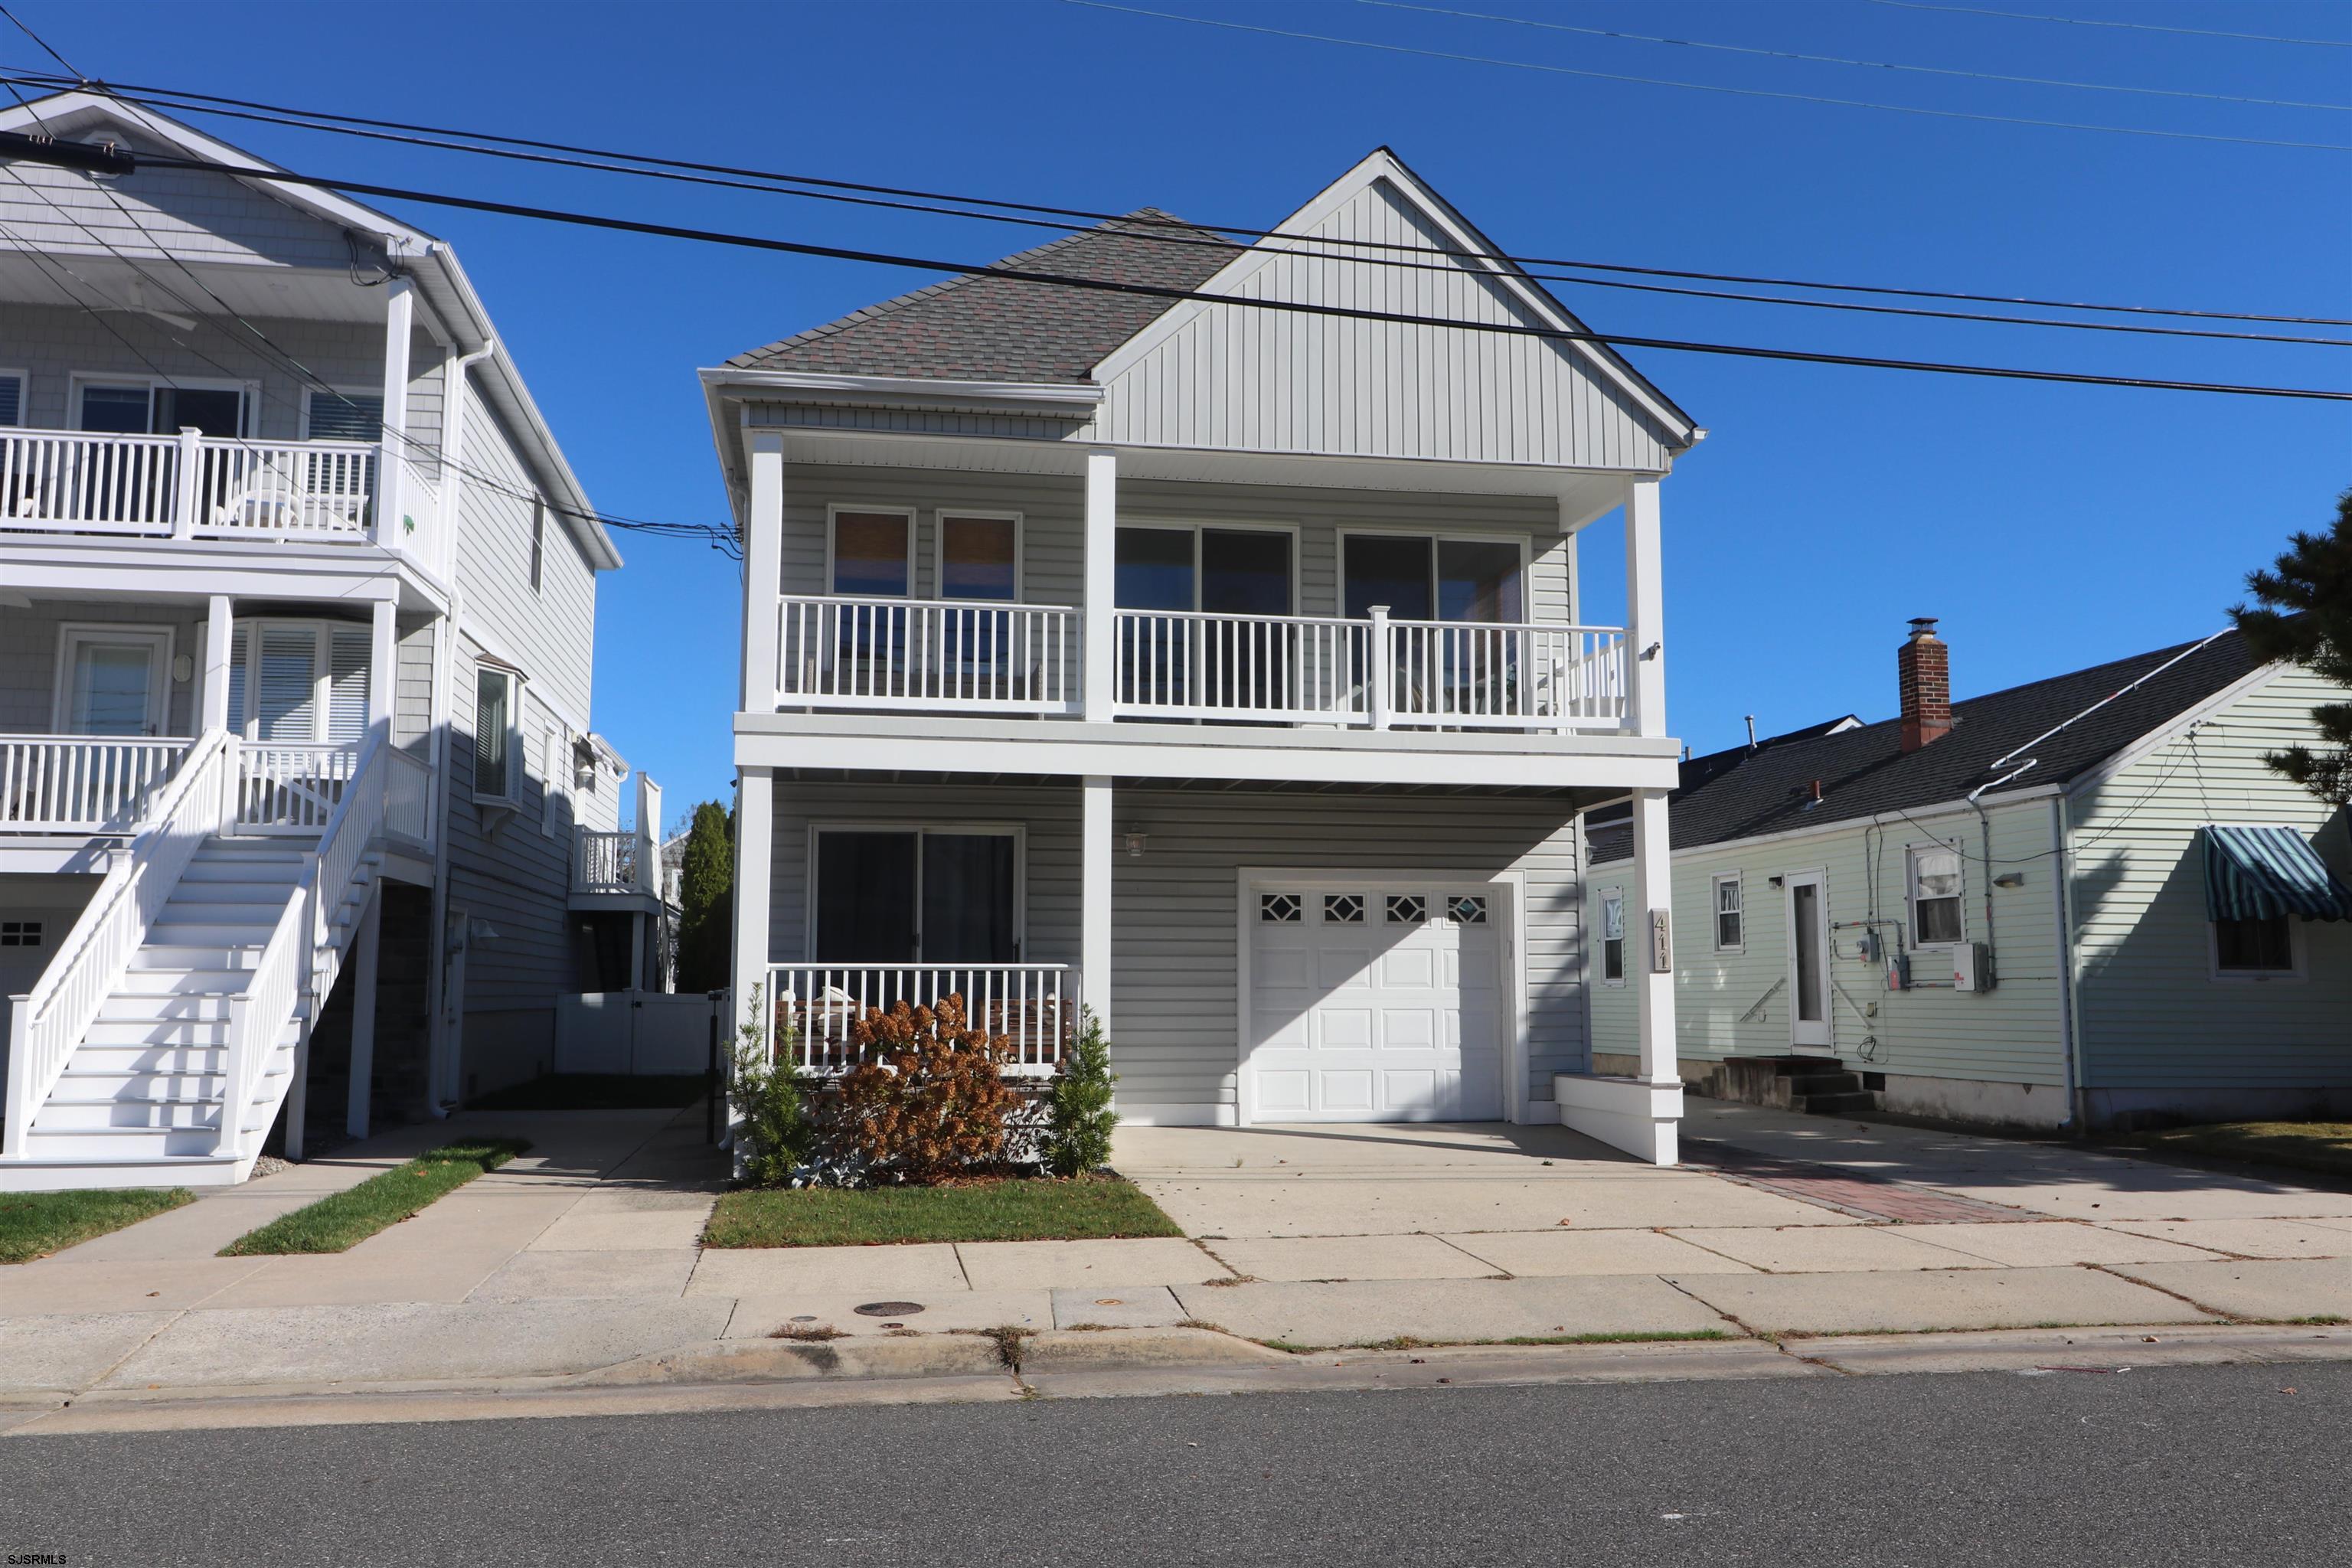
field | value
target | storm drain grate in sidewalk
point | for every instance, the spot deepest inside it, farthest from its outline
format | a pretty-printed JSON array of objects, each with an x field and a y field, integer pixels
[{"x": 1864, "y": 1196}]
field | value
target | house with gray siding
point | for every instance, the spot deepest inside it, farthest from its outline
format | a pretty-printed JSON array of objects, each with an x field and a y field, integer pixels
[
  {"x": 303, "y": 826},
  {"x": 2086, "y": 902},
  {"x": 1220, "y": 669}
]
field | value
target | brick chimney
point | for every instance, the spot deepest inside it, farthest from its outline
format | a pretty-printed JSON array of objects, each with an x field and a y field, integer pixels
[{"x": 1923, "y": 666}]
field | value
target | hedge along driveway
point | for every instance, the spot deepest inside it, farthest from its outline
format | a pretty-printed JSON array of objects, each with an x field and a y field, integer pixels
[
  {"x": 1076, "y": 1208},
  {"x": 341, "y": 1221}
]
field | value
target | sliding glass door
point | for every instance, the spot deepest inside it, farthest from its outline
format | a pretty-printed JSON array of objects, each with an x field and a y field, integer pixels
[
  {"x": 1465, "y": 584},
  {"x": 1173, "y": 656},
  {"x": 916, "y": 896}
]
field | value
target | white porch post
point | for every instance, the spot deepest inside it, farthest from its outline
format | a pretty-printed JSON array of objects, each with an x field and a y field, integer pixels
[
  {"x": 1102, "y": 595},
  {"x": 1650, "y": 956},
  {"x": 362, "y": 1086},
  {"x": 218, "y": 625},
  {"x": 384, "y": 653},
  {"x": 763, "y": 555},
  {"x": 391, "y": 468},
  {"x": 1095, "y": 836},
  {"x": 754, "y": 860},
  {"x": 1644, "y": 611}
]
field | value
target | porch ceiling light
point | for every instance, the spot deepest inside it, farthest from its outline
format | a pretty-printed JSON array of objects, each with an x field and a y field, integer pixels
[{"x": 1135, "y": 839}]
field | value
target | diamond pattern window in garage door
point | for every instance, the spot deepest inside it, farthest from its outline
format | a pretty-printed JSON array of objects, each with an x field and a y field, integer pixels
[{"x": 1395, "y": 1020}]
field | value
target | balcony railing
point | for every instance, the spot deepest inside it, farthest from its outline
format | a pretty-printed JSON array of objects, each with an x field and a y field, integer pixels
[
  {"x": 186, "y": 486},
  {"x": 933, "y": 657},
  {"x": 1035, "y": 1006},
  {"x": 607, "y": 862},
  {"x": 81, "y": 784}
]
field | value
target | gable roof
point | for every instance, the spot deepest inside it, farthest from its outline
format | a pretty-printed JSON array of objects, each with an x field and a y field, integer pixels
[
  {"x": 979, "y": 327},
  {"x": 1864, "y": 771}
]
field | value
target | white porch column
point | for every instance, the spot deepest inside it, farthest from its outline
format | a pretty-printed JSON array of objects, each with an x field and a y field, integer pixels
[
  {"x": 218, "y": 625},
  {"x": 1096, "y": 839},
  {"x": 391, "y": 470},
  {"x": 763, "y": 579},
  {"x": 1649, "y": 954},
  {"x": 754, "y": 860},
  {"x": 1644, "y": 611},
  {"x": 1102, "y": 593},
  {"x": 383, "y": 654},
  {"x": 363, "y": 972}
]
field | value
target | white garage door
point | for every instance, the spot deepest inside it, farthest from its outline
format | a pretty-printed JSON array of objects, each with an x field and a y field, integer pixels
[{"x": 1375, "y": 1003}]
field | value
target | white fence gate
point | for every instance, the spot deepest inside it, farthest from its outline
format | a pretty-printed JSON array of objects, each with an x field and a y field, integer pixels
[{"x": 640, "y": 1032}]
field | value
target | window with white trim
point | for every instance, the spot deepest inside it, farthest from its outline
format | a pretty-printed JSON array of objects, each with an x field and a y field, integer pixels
[
  {"x": 1730, "y": 914},
  {"x": 12, "y": 397},
  {"x": 497, "y": 697},
  {"x": 2253, "y": 947},
  {"x": 1935, "y": 893},
  {"x": 1612, "y": 937},
  {"x": 873, "y": 554},
  {"x": 554, "y": 780}
]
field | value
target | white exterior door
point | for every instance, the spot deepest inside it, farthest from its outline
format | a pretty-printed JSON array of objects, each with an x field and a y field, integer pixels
[
  {"x": 1373, "y": 1002},
  {"x": 1810, "y": 1025}
]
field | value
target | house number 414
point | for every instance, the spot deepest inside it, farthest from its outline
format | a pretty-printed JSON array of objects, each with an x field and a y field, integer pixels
[{"x": 1662, "y": 943}]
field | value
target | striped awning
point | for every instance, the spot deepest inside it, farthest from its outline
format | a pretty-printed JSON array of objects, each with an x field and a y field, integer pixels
[{"x": 2262, "y": 873}]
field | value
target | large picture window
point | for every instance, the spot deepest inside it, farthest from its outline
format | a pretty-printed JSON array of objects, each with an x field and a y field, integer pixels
[{"x": 917, "y": 896}]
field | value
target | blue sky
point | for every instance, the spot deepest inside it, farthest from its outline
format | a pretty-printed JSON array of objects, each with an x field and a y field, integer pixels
[{"x": 2049, "y": 526}]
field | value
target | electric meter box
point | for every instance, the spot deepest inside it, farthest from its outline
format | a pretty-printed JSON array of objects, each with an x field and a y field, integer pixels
[{"x": 1971, "y": 969}]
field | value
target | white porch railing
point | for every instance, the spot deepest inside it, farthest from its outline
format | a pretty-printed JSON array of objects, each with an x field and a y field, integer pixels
[
  {"x": 46, "y": 1023},
  {"x": 81, "y": 784},
  {"x": 605, "y": 862},
  {"x": 927, "y": 654},
  {"x": 289, "y": 788},
  {"x": 1035, "y": 1005},
  {"x": 1522, "y": 675},
  {"x": 188, "y": 486},
  {"x": 1279, "y": 668}
]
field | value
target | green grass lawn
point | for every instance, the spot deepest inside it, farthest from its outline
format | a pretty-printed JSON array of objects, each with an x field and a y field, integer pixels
[
  {"x": 1077, "y": 1208},
  {"x": 341, "y": 1221},
  {"x": 34, "y": 1225},
  {"x": 594, "y": 1091},
  {"x": 2324, "y": 1146}
]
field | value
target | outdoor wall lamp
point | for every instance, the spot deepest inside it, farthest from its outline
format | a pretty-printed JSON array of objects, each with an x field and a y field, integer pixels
[{"x": 1135, "y": 838}]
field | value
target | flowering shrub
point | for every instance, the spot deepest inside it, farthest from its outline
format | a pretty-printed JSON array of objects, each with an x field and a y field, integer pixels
[{"x": 926, "y": 1101}]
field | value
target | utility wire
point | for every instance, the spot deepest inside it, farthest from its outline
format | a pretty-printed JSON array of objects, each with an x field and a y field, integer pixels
[
  {"x": 2135, "y": 26},
  {"x": 342, "y": 123},
  {"x": 1842, "y": 60},
  {"x": 1711, "y": 86},
  {"x": 1200, "y": 237},
  {"x": 1098, "y": 285}
]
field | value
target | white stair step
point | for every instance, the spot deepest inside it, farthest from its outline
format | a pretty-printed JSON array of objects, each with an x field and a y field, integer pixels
[
  {"x": 161, "y": 1059},
  {"x": 187, "y": 977},
  {"x": 222, "y": 890},
  {"x": 246, "y": 923},
  {"x": 121, "y": 1143},
  {"x": 176, "y": 1009},
  {"x": 111, "y": 1116},
  {"x": 48, "y": 1172},
  {"x": 153, "y": 1034},
  {"x": 197, "y": 952}
]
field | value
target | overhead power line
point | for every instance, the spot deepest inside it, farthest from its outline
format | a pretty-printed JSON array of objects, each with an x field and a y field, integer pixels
[
  {"x": 1711, "y": 86},
  {"x": 1842, "y": 60},
  {"x": 729, "y": 176},
  {"x": 1042, "y": 279},
  {"x": 2135, "y": 26}
]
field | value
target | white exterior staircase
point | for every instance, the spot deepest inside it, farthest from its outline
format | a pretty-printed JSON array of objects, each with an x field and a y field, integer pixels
[{"x": 158, "y": 1050}]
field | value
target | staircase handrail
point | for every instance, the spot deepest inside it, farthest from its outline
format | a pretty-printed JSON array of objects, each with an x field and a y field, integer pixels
[
  {"x": 46, "y": 1023},
  {"x": 299, "y": 957}
]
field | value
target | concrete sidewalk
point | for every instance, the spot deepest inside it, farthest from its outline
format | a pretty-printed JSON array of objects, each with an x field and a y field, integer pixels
[{"x": 582, "y": 1260}]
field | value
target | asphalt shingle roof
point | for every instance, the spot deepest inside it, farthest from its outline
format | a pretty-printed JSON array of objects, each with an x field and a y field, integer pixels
[
  {"x": 1864, "y": 771},
  {"x": 976, "y": 327}
]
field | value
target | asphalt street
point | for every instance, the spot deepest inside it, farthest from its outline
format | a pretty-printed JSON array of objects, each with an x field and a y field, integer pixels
[{"x": 2208, "y": 1466}]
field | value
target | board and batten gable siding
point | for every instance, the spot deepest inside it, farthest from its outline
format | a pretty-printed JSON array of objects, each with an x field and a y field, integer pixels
[
  {"x": 1737, "y": 1003},
  {"x": 551, "y": 632},
  {"x": 55, "y": 343},
  {"x": 2152, "y": 1015},
  {"x": 1052, "y": 524},
  {"x": 1274, "y": 381},
  {"x": 1174, "y": 958}
]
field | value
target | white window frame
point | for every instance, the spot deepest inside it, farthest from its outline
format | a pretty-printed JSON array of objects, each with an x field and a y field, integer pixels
[
  {"x": 1911, "y": 893},
  {"x": 2294, "y": 973},
  {"x": 1437, "y": 535},
  {"x": 1017, "y": 832},
  {"x": 1716, "y": 911},
  {"x": 1196, "y": 526},
  {"x": 831, "y": 524},
  {"x": 1602, "y": 939},
  {"x": 248, "y": 394},
  {"x": 539, "y": 545},
  {"x": 322, "y": 672},
  {"x": 940, "y": 516},
  {"x": 517, "y": 764},
  {"x": 308, "y": 393},
  {"x": 24, "y": 380},
  {"x": 160, "y": 640},
  {"x": 555, "y": 775}
]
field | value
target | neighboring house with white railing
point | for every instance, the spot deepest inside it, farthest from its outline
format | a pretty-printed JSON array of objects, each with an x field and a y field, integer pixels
[
  {"x": 1222, "y": 669},
  {"x": 297, "y": 606}
]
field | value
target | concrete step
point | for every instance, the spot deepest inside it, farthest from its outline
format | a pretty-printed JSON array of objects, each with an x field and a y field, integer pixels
[
  {"x": 1837, "y": 1082},
  {"x": 1832, "y": 1104}
]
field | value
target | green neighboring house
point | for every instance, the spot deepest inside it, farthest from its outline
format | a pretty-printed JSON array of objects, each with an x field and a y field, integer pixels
[{"x": 2085, "y": 902}]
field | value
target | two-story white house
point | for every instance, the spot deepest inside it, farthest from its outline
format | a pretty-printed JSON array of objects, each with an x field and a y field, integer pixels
[
  {"x": 302, "y": 820},
  {"x": 1217, "y": 668}
]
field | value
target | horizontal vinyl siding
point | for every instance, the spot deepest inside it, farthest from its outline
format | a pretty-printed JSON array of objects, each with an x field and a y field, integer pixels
[
  {"x": 1278, "y": 380},
  {"x": 155, "y": 215},
  {"x": 551, "y": 631},
  {"x": 1053, "y": 513},
  {"x": 1174, "y": 957},
  {"x": 2153, "y": 1017},
  {"x": 29, "y": 660},
  {"x": 2010, "y": 1034},
  {"x": 412, "y": 697}
]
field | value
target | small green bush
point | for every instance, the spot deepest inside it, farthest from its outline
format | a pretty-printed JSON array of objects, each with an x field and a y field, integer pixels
[
  {"x": 773, "y": 1128},
  {"x": 1077, "y": 1138}
]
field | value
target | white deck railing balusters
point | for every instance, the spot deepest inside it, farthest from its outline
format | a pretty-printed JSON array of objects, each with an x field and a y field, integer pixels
[
  {"x": 81, "y": 784},
  {"x": 1506, "y": 676},
  {"x": 1034, "y": 1005},
  {"x": 926, "y": 655}
]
